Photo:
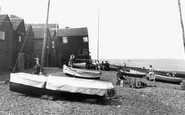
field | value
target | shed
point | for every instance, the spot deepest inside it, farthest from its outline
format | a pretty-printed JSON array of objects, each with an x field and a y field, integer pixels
[
  {"x": 6, "y": 42},
  {"x": 18, "y": 40}
]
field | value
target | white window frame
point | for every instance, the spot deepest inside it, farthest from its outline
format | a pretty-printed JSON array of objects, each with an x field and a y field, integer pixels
[
  {"x": 2, "y": 35},
  {"x": 65, "y": 40},
  {"x": 85, "y": 39},
  {"x": 20, "y": 38}
]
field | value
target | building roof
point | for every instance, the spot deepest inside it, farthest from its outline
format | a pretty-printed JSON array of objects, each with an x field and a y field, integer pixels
[
  {"x": 16, "y": 22},
  {"x": 50, "y": 26},
  {"x": 2, "y": 18},
  {"x": 72, "y": 32},
  {"x": 38, "y": 33}
]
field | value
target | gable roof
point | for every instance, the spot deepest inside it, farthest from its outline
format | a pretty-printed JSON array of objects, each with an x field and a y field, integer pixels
[
  {"x": 15, "y": 22},
  {"x": 73, "y": 32},
  {"x": 2, "y": 18}
]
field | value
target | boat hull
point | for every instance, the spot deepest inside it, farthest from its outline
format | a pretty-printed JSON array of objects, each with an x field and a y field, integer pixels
[
  {"x": 40, "y": 85},
  {"x": 133, "y": 73},
  {"x": 83, "y": 86},
  {"x": 81, "y": 73},
  {"x": 168, "y": 79}
]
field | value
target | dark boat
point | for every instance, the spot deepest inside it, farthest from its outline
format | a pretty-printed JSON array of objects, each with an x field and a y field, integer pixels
[
  {"x": 133, "y": 73},
  {"x": 168, "y": 79}
]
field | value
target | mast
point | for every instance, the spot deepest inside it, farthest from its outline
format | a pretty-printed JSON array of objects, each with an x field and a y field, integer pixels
[
  {"x": 98, "y": 35},
  {"x": 182, "y": 25},
  {"x": 45, "y": 39}
]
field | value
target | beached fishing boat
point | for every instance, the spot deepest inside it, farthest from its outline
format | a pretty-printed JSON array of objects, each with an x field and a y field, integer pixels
[
  {"x": 133, "y": 73},
  {"x": 40, "y": 85},
  {"x": 81, "y": 73},
  {"x": 168, "y": 79}
]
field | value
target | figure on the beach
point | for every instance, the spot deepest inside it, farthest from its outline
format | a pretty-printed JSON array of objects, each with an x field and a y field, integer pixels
[
  {"x": 151, "y": 75},
  {"x": 71, "y": 60},
  {"x": 37, "y": 65},
  {"x": 107, "y": 65}
]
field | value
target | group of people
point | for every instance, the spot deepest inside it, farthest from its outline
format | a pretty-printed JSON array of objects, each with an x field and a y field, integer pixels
[{"x": 97, "y": 65}]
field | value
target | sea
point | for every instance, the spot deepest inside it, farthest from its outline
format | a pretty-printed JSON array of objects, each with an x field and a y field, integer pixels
[{"x": 157, "y": 64}]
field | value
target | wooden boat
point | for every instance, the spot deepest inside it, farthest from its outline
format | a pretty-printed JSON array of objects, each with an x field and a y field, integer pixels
[
  {"x": 40, "y": 85},
  {"x": 133, "y": 73},
  {"x": 81, "y": 73},
  {"x": 26, "y": 83},
  {"x": 83, "y": 86},
  {"x": 168, "y": 79}
]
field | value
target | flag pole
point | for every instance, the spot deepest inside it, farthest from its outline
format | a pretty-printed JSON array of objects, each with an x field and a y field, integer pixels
[{"x": 44, "y": 41}]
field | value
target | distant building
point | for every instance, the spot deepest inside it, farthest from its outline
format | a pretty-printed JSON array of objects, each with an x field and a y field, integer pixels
[
  {"x": 71, "y": 41},
  {"x": 6, "y": 43}
]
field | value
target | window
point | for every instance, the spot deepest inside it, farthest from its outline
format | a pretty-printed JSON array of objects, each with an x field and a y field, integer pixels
[
  {"x": 53, "y": 44},
  {"x": 85, "y": 39},
  {"x": 19, "y": 38},
  {"x": 85, "y": 52},
  {"x": 65, "y": 40},
  {"x": 2, "y": 35}
]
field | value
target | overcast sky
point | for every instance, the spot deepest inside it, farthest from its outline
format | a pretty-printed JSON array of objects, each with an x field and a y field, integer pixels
[{"x": 128, "y": 28}]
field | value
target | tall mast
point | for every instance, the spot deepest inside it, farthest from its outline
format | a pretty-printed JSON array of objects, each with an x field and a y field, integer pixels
[
  {"x": 182, "y": 25},
  {"x": 98, "y": 35},
  {"x": 45, "y": 39}
]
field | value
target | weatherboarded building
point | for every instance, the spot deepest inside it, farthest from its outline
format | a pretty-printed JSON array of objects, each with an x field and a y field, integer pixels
[
  {"x": 71, "y": 41},
  {"x": 18, "y": 40},
  {"x": 29, "y": 47},
  {"x": 6, "y": 43}
]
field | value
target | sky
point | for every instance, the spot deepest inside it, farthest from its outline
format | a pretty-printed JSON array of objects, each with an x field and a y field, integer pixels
[{"x": 128, "y": 29}]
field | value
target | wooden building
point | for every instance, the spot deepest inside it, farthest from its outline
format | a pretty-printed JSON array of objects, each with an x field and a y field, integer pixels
[
  {"x": 38, "y": 44},
  {"x": 6, "y": 43},
  {"x": 29, "y": 47},
  {"x": 71, "y": 41},
  {"x": 18, "y": 40}
]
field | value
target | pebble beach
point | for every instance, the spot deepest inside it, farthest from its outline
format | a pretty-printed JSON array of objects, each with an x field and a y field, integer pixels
[{"x": 164, "y": 99}]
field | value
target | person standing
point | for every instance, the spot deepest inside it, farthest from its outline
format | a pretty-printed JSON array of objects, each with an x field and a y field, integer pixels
[
  {"x": 37, "y": 65},
  {"x": 151, "y": 75}
]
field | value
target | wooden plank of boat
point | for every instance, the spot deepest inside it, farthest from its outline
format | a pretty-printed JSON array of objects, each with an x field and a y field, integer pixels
[
  {"x": 83, "y": 86},
  {"x": 134, "y": 73},
  {"x": 81, "y": 73},
  {"x": 168, "y": 79}
]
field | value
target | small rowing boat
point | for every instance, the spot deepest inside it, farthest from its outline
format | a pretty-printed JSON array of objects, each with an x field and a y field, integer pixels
[
  {"x": 168, "y": 79},
  {"x": 81, "y": 73}
]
